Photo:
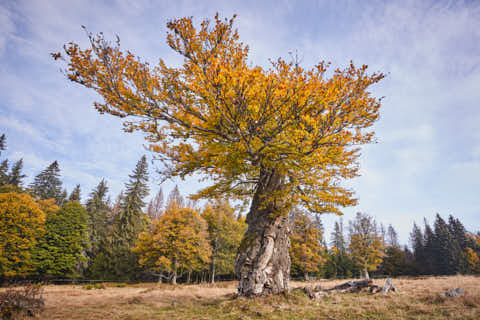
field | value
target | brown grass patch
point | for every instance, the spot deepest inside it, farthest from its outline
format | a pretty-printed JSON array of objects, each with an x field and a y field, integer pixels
[{"x": 417, "y": 298}]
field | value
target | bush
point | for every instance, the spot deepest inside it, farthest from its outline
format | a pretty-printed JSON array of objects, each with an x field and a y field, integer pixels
[
  {"x": 94, "y": 286},
  {"x": 21, "y": 302}
]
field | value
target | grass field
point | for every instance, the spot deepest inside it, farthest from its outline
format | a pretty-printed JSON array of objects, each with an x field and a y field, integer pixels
[{"x": 417, "y": 298}]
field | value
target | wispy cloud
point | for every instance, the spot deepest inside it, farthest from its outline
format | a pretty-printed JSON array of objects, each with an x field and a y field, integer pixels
[{"x": 428, "y": 155}]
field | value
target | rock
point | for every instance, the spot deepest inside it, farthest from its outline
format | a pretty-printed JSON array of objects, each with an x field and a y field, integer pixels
[{"x": 453, "y": 292}]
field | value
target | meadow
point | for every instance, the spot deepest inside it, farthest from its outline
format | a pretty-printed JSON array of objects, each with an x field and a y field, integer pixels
[{"x": 416, "y": 298}]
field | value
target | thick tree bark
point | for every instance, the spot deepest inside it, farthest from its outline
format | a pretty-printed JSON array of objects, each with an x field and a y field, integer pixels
[{"x": 263, "y": 260}]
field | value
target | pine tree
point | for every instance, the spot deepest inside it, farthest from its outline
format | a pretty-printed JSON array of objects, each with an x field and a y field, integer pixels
[
  {"x": 132, "y": 220},
  {"x": 338, "y": 237},
  {"x": 15, "y": 178},
  {"x": 3, "y": 143},
  {"x": 63, "y": 197},
  {"x": 429, "y": 256},
  {"x": 446, "y": 250},
  {"x": 418, "y": 247},
  {"x": 76, "y": 194},
  {"x": 4, "y": 173},
  {"x": 99, "y": 220},
  {"x": 47, "y": 184}
]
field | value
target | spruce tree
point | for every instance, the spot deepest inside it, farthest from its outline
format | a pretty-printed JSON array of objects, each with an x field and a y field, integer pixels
[
  {"x": 99, "y": 221},
  {"x": 47, "y": 184},
  {"x": 75, "y": 195},
  {"x": 418, "y": 247},
  {"x": 3, "y": 143},
  {"x": 15, "y": 178},
  {"x": 131, "y": 220},
  {"x": 446, "y": 250},
  {"x": 4, "y": 173},
  {"x": 392, "y": 237},
  {"x": 428, "y": 263}
]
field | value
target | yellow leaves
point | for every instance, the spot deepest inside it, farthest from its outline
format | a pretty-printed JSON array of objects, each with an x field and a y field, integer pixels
[{"x": 220, "y": 116}]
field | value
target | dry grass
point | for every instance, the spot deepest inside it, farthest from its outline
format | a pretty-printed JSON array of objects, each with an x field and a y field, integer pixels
[{"x": 417, "y": 298}]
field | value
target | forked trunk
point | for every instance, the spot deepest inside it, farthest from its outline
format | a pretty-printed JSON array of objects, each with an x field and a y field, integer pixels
[{"x": 263, "y": 261}]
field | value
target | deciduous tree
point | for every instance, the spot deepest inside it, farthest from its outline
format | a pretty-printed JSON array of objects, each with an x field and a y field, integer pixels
[
  {"x": 281, "y": 136},
  {"x": 366, "y": 245},
  {"x": 179, "y": 240},
  {"x": 22, "y": 223}
]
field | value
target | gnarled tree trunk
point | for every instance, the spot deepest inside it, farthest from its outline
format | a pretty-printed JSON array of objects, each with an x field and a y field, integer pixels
[{"x": 263, "y": 260}]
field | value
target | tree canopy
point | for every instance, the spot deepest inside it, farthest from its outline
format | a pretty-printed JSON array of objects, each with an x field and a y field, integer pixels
[{"x": 219, "y": 115}]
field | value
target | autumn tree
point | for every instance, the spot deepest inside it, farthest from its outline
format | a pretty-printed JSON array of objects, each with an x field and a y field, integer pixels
[
  {"x": 306, "y": 251},
  {"x": 280, "y": 136},
  {"x": 225, "y": 232},
  {"x": 366, "y": 245},
  {"x": 178, "y": 241},
  {"x": 22, "y": 223}
]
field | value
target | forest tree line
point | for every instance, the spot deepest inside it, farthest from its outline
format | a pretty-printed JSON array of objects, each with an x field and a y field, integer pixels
[{"x": 48, "y": 233}]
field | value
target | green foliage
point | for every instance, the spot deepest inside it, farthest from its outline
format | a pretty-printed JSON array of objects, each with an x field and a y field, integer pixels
[
  {"x": 47, "y": 184},
  {"x": 15, "y": 178},
  {"x": 4, "y": 173},
  {"x": 22, "y": 223},
  {"x": 61, "y": 252},
  {"x": 225, "y": 233},
  {"x": 132, "y": 220},
  {"x": 76, "y": 194}
]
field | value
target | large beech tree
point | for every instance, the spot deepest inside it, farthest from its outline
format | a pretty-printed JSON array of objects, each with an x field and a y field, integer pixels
[{"x": 281, "y": 136}]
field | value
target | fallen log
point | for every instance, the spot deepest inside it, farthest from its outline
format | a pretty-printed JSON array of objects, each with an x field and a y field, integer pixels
[{"x": 349, "y": 287}]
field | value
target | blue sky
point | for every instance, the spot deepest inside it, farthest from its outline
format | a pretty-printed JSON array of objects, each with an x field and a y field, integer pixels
[{"x": 427, "y": 158}]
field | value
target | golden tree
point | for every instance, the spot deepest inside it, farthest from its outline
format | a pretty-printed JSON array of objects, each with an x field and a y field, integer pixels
[
  {"x": 280, "y": 136},
  {"x": 22, "y": 223},
  {"x": 178, "y": 240},
  {"x": 366, "y": 245},
  {"x": 306, "y": 251}
]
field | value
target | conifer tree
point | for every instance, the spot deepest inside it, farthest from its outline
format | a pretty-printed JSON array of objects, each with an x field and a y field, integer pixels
[
  {"x": 3, "y": 143},
  {"x": 391, "y": 237},
  {"x": 47, "y": 184},
  {"x": 418, "y": 246},
  {"x": 429, "y": 256},
  {"x": 446, "y": 249},
  {"x": 15, "y": 178},
  {"x": 76, "y": 194},
  {"x": 131, "y": 220},
  {"x": 4, "y": 173}
]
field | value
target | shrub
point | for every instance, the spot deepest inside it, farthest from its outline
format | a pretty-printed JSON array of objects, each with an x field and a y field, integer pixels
[{"x": 21, "y": 302}]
